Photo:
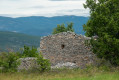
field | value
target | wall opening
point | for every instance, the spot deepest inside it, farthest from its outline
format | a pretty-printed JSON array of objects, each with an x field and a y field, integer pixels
[
  {"x": 62, "y": 46},
  {"x": 74, "y": 61}
]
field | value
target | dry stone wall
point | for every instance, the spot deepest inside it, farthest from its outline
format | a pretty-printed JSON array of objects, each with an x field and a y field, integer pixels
[
  {"x": 67, "y": 47},
  {"x": 27, "y": 63}
]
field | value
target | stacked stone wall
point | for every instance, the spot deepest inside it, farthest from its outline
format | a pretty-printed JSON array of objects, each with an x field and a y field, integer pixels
[
  {"x": 67, "y": 47},
  {"x": 27, "y": 63}
]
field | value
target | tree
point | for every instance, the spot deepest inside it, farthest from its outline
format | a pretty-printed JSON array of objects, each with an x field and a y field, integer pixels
[
  {"x": 62, "y": 28},
  {"x": 104, "y": 23},
  {"x": 70, "y": 27},
  {"x": 30, "y": 52}
]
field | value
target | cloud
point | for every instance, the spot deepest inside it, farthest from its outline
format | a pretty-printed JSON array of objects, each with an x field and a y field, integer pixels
[{"x": 48, "y": 8}]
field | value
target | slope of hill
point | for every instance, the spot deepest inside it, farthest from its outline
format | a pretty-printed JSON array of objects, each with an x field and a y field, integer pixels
[
  {"x": 15, "y": 41},
  {"x": 40, "y": 26}
]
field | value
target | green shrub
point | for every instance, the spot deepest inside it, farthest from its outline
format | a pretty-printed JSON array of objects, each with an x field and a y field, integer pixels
[
  {"x": 44, "y": 64},
  {"x": 9, "y": 61},
  {"x": 30, "y": 52}
]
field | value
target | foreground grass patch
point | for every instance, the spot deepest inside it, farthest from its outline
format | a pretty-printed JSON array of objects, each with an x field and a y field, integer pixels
[
  {"x": 63, "y": 75},
  {"x": 107, "y": 76}
]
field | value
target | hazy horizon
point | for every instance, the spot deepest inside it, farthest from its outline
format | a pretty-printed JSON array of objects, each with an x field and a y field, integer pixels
[{"x": 46, "y": 8}]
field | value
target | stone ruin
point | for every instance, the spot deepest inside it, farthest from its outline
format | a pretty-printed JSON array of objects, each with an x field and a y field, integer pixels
[{"x": 67, "y": 47}]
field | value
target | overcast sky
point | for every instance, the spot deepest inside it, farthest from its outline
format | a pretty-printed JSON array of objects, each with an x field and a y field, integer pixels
[{"x": 47, "y": 8}]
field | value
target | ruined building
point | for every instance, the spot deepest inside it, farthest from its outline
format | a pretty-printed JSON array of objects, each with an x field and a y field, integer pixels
[{"x": 67, "y": 47}]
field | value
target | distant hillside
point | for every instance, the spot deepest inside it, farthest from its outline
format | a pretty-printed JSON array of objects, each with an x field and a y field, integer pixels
[
  {"x": 40, "y": 26},
  {"x": 14, "y": 41}
]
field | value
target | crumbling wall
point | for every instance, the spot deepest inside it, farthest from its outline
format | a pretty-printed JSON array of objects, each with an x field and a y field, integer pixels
[
  {"x": 67, "y": 47},
  {"x": 27, "y": 63}
]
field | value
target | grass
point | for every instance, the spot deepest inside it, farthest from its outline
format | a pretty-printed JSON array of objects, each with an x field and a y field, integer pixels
[{"x": 64, "y": 74}]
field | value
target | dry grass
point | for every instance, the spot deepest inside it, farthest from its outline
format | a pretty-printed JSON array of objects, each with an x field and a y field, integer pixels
[{"x": 64, "y": 74}]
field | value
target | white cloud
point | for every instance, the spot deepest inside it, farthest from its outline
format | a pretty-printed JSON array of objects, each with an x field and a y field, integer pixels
[{"x": 48, "y": 8}]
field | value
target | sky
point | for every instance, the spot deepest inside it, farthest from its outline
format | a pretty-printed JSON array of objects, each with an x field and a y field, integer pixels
[{"x": 47, "y": 8}]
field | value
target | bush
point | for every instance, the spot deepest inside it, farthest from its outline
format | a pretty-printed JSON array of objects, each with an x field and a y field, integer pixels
[
  {"x": 44, "y": 64},
  {"x": 30, "y": 52},
  {"x": 9, "y": 61}
]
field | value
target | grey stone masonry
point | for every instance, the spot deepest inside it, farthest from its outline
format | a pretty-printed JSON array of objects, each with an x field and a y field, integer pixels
[
  {"x": 65, "y": 65},
  {"x": 27, "y": 63},
  {"x": 67, "y": 47}
]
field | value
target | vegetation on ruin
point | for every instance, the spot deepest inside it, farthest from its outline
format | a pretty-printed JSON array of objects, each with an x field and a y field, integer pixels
[{"x": 62, "y": 28}]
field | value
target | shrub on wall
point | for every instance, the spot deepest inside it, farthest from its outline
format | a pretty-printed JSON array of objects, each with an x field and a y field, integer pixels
[{"x": 62, "y": 28}]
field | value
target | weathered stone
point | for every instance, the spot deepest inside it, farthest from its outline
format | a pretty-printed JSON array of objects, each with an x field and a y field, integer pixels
[
  {"x": 65, "y": 65},
  {"x": 67, "y": 47},
  {"x": 27, "y": 63}
]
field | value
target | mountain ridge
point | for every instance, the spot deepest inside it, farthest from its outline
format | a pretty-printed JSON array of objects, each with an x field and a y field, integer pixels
[{"x": 39, "y": 25}]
